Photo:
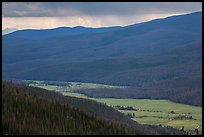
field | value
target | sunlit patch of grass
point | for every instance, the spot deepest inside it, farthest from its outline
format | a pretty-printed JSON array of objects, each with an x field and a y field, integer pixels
[
  {"x": 162, "y": 117},
  {"x": 70, "y": 86},
  {"x": 74, "y": 94}
]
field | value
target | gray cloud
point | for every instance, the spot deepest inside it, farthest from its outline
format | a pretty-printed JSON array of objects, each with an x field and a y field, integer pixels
[{"x": 65, "y": 9}]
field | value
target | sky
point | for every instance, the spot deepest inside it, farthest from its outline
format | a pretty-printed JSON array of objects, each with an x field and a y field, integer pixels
[{"x": 45, "y": 15}]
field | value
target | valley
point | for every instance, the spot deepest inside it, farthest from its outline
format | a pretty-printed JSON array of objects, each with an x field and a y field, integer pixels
[
  {"x": 52, "y": 113},
  {"x": 145, "y": 111},
  {"x": 139, "y": 79}
]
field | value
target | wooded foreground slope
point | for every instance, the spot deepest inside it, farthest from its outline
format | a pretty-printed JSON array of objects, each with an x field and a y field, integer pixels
[{"x": 26, "y": 110}]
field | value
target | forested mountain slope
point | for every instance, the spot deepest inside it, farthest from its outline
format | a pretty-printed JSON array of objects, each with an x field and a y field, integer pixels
[
  {"x": 162, "y": 55},
  {"x": 52, "y": 113}
]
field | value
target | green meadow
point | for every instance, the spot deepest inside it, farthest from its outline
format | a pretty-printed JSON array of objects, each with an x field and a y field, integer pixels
[
  {"x": 70, "y": 86},
  {"x": 147, "y": 111},
  {"x": 155, "y": 112}
]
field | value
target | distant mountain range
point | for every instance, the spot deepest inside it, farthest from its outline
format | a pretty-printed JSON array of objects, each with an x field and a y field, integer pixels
[
  {"x": 8, "y": 30},
  {"x": 33, "y": 34},
  {"x": 162, "y": 55}
]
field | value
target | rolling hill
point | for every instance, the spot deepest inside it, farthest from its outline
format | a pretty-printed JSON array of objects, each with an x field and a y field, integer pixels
[{"x": 162, "y": 56}]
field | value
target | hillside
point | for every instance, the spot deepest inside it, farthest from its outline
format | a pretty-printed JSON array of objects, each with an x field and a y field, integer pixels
[
  {"x": 33, "y": 34},
  {"x": 22, "y": 105},
  {"x": 163, "y": 56},
  {"x": 50, "y": 117}
]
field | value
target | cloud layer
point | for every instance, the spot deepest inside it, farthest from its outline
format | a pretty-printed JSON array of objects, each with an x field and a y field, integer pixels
[{"x": 92, "y": 14}]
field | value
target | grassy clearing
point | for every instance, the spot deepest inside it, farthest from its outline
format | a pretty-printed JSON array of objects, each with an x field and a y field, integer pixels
[
  {"x": 75, "y": 95},
  {"x": 144, "y": 116},
  {"x": 162, "y": 117},
  {"x": 69, "y": 86},
  {"x": 79, "y": 85}
]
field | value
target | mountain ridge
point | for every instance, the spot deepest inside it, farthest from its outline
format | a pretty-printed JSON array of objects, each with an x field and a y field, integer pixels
[{"x": 156, "y": 54}]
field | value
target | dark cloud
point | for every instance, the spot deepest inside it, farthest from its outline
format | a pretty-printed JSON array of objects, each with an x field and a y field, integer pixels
[{"x": 62, "y": 9}]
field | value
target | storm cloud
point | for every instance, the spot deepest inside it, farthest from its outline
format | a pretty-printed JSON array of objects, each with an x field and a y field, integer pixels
[
  {"x": 62, "y": 9},
  {"x": 82, "y": 13}
]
